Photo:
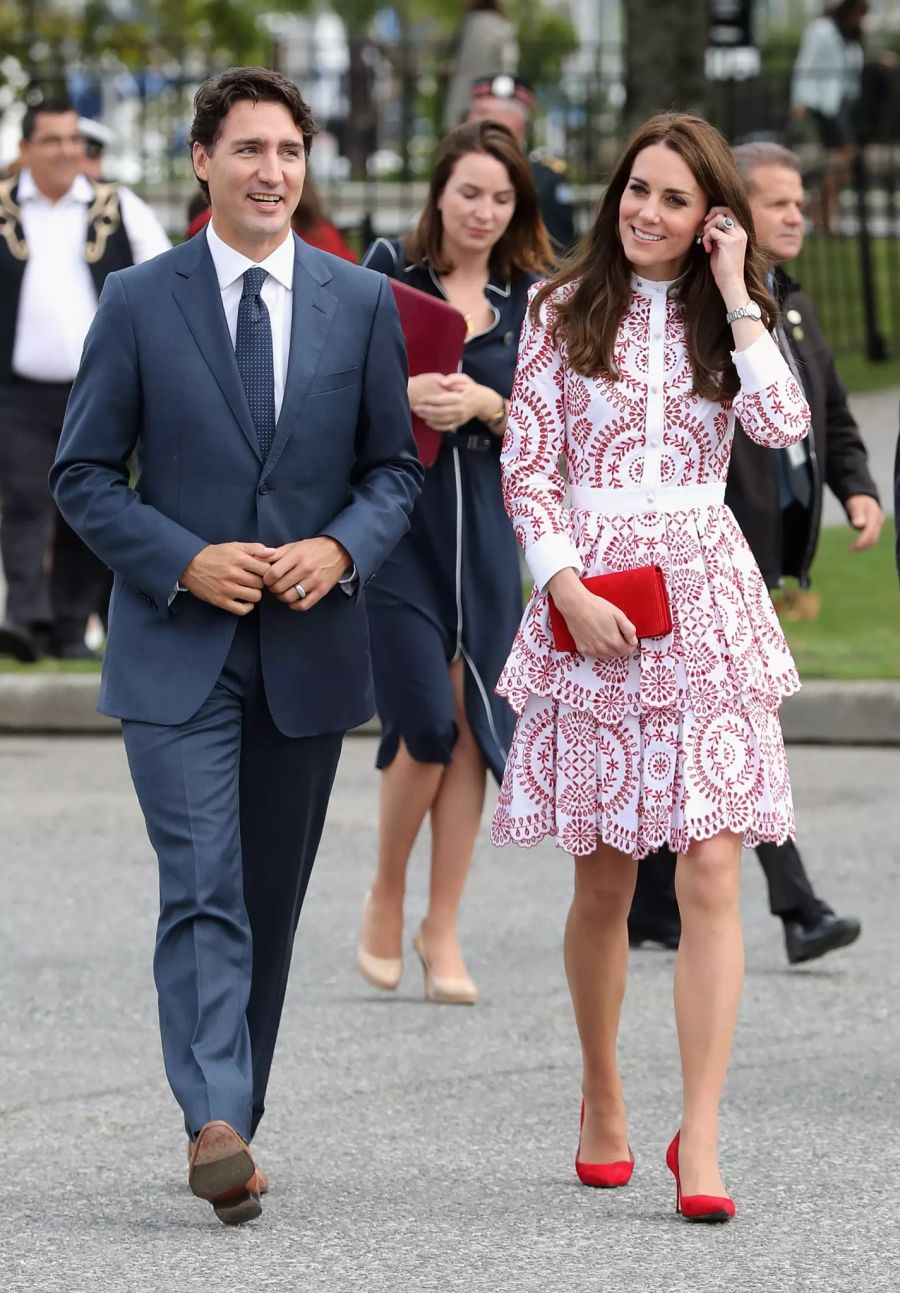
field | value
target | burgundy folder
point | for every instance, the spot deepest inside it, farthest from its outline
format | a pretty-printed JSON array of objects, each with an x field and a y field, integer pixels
[
  {"x": 435, "y": 333},
  {"x": 640, "y": 593}
]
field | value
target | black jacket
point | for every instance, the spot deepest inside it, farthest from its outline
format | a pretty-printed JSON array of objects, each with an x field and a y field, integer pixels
[{"x": 784, "y": 543}]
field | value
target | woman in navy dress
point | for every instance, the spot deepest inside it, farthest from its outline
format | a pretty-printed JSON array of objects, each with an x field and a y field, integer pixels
[{"x": 444, "y": 608}]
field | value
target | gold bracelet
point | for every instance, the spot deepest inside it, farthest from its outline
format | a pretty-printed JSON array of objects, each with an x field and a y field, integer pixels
[{"x": 498, "y": 417}]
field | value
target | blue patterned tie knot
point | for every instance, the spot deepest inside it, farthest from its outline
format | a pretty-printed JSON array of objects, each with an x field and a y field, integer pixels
[
  {"x": 253, "y": 281},
  {"x": 253, "y": 351}
]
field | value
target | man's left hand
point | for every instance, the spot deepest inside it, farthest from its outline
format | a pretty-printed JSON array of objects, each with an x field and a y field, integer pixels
[
  {"x": 866, "y": 516},
  {"x": 315, "y": 564}
]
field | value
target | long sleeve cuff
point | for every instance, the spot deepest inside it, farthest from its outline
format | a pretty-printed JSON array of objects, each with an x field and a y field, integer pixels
[
  {"x": 552, "y": 553},
  {"x": 760, "y": 365},
  {"x": 347, "y": 583}
]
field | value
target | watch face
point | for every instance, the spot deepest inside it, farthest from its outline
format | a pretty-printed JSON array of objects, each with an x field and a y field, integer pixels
[{"x": 753, "y": 310}]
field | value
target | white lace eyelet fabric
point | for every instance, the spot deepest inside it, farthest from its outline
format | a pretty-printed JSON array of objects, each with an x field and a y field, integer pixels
[{"x": 680, "y": 740}]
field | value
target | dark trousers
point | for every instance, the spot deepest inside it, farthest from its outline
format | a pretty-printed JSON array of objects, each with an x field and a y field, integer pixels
[
  {"x": 791, "y": 895},
  {"x": 234, "y": 811},
  {"x": 53, "y": 580}
]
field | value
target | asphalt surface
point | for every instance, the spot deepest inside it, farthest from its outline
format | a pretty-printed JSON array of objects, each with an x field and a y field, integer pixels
[{"x": 415, "y": 1147}]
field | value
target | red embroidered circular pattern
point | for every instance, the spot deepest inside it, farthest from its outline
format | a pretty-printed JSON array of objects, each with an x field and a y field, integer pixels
[{"x": 680, "y": 739}]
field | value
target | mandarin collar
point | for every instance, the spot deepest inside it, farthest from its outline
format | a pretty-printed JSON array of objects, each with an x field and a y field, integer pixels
[{"x": 651, "y": 287}]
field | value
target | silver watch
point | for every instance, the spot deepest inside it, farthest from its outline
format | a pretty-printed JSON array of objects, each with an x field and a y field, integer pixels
[{"x": 749, "y": 311}]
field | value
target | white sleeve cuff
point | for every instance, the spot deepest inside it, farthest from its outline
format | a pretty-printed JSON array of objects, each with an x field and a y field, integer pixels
[
  {"x": 552, "y": 553},
  {"x": 760, "y": 365},
  {"x": 347, "y": 582}
]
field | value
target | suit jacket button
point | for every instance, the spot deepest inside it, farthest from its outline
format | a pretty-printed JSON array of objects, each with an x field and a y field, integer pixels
[{"x": 263, "y": 489}]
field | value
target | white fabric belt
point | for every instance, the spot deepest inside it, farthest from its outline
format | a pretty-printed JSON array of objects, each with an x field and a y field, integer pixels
[{"x": 655, "y": 498}]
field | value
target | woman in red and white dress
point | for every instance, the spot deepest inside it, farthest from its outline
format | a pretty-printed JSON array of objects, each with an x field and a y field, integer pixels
[{"x": 634, "y": 361}]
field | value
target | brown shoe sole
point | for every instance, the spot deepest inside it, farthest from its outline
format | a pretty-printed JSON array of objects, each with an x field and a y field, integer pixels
[
  {"x": 237, "y": 1207},
  {"x": 221, "y": 1164}
]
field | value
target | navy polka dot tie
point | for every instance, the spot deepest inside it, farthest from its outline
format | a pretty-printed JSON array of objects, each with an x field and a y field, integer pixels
[{"x": 253, "y": 350}]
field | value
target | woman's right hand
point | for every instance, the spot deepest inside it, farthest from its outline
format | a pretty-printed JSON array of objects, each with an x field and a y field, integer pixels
[
  {"x": 598, "y": 628},
  {"x": 424, "y": 387}
]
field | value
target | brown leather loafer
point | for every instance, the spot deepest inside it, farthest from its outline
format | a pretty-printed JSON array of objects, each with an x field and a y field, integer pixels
[
  {"x": 221, "y": 1170},
  {"x": 262, "y": 1180}
]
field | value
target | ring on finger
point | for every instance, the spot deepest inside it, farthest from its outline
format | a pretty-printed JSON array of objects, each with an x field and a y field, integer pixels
[
  {"x": 727, "y": 222},
  {"x": 300, "y": 591}
]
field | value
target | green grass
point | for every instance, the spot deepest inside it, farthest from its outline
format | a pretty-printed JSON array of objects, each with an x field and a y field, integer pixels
[
  {"x": 860, "y": 375},
  {"x": 8, "y": 665},
  {"x": 857, "y": 633},
  {"x": 828, "y": 269}
]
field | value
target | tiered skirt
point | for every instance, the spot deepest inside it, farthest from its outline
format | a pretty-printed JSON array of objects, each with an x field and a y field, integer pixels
[{"x": 674, "y": 743}]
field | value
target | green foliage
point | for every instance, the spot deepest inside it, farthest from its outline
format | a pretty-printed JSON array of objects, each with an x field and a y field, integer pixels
[{"x": 546, "y": 38}]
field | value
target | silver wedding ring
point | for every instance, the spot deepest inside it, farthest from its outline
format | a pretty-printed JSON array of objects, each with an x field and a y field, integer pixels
[
  {"x": 727, "y": 222},
  {"x": 300, "y": 590}
]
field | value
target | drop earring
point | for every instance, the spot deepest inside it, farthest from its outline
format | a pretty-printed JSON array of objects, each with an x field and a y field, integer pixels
[{"x": 698, "y": 239}]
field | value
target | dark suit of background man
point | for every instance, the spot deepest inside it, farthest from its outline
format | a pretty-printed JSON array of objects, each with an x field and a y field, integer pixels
[
  {"x": 776, "y": 496},
  {"x": 61, "y": 234},
  {"x": 263, "y": 384}
]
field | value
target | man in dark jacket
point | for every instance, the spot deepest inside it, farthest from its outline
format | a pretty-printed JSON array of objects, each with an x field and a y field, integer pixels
[{"x": 776, "y": 496}]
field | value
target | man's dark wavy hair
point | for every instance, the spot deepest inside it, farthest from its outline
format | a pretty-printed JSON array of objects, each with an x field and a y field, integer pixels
[{"x": 216, "y": 97}]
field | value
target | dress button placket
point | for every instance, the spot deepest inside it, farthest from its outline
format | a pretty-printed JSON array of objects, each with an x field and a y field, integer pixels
[{"x": 653, "y": 428}]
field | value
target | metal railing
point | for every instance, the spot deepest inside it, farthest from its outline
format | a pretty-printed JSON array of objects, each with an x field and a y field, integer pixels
[{"x": 852, "y": 274}]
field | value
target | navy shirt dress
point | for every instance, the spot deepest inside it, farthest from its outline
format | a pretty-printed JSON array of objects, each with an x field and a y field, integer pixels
[{"x": 452, "y": 588}]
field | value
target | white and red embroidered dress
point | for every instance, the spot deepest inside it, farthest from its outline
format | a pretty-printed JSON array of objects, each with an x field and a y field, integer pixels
[{"x": 681, "y": 739}]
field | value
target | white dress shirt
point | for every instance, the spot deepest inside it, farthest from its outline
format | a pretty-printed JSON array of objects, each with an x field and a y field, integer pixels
[
  {"x": 277, "y": 293},
  {"x": 278, "y": 296},
  {"x": 58, "y": 299}
]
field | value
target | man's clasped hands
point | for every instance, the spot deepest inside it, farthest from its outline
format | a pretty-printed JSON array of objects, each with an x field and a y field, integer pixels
[{"x": 234, "y": 576}]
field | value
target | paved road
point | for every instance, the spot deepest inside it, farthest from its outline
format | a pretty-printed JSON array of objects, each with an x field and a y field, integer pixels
[{"x": 413, "y": 1147}]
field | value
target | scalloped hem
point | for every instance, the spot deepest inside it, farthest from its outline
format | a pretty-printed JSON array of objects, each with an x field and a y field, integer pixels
[{"x": 583, "y": 841}]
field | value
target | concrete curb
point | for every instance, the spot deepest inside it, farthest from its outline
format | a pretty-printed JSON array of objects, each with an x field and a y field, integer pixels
[{"x": 825, "y": 712}]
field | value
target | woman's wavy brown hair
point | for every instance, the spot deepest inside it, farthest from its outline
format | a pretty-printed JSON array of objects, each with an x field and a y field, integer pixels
[
  {"x": 588, "y": 317},
  {"x": 524, "y": 245}
]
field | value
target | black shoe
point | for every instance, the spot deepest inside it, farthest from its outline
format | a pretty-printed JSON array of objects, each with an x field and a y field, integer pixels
[
  {"x": 19, "y": 643},
  {"x": 664, "y": 933},
  {"x": 806, "y": 942}
]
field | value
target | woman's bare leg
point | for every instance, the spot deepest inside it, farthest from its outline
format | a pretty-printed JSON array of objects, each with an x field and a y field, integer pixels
[
  {"x": 455, "y": 819},
  {"x": 596, "y": 959},
  {"x": 408, "y": 790},
  {"x": 709, "y": 974}
]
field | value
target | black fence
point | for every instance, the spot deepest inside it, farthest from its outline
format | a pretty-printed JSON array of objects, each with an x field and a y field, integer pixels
[{"x": 372, "y": 163}]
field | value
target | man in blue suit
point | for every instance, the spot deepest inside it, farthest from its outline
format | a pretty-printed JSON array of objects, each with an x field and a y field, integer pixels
[{"x": 263, "y": 385}]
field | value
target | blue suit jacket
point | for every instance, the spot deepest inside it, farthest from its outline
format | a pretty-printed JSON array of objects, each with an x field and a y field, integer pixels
[{"x": 159, "y": 375}]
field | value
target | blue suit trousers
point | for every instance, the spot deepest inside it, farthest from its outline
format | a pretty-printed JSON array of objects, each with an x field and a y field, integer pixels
[{"x": 234, "y": 811}]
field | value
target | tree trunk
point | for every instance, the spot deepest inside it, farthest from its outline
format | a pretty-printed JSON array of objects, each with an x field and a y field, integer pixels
[
  {"x": 665, "y": 52},
  {"x": 361, "y": 133}
]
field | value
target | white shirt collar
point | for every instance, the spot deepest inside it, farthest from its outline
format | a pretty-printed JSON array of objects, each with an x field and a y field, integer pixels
[
  {"x": 81, "y": 190},
  {"x": 230, "y": 265}
]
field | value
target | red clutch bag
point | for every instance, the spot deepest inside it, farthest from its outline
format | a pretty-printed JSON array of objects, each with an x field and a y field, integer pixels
[
  {"x": 435, "y": 333},
  {"x": 640, "y": 593}
]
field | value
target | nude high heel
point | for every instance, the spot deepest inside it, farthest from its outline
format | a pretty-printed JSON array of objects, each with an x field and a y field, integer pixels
[
  {"x": 384, "y": 972},
  {"x": 446, "y": 992}
]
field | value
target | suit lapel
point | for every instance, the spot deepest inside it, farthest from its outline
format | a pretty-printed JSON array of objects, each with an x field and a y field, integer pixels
[
  {"x": 312, "y": 316},
  {"x": 200, "y": 301}
]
